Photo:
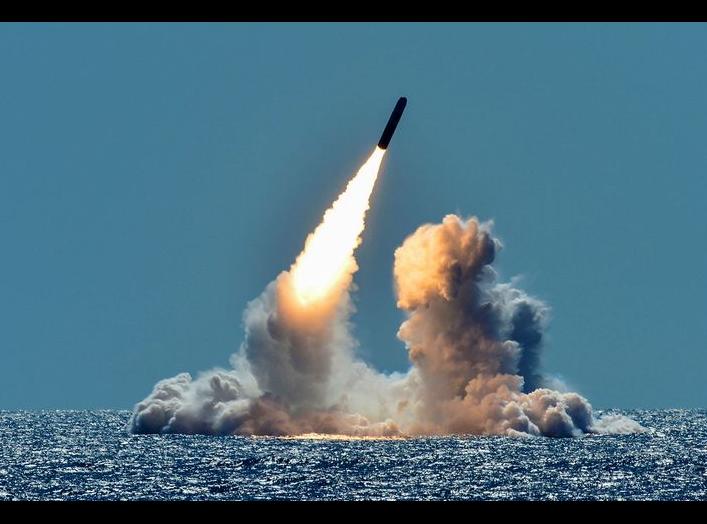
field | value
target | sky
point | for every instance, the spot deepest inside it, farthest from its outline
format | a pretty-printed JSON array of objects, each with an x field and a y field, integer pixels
[{"x": 155, "y": 177}]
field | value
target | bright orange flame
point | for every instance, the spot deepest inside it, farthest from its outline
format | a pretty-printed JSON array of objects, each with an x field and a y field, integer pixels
[{"x": 327, "y": 254}]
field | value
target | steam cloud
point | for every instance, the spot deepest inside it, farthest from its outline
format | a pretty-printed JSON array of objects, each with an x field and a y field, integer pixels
[{"x": 474, "y": 344}]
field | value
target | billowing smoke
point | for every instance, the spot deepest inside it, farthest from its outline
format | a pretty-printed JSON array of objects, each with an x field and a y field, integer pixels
[
  {"x": 474, "y": 344},
  {"x": 295, "y": 374}
]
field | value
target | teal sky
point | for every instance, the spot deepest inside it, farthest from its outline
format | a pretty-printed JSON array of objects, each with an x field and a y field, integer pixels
[{"x": 155, "y": 177}]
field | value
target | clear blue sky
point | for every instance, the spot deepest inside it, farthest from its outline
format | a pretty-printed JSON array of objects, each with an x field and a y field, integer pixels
[{"x": 154, "y": 178}]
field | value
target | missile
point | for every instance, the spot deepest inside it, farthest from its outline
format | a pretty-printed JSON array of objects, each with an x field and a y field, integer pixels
[{"x": 392, "y": 123}]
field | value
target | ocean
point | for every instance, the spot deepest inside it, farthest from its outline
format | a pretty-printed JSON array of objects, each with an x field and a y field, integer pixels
[{"x": 88, "y": 455}]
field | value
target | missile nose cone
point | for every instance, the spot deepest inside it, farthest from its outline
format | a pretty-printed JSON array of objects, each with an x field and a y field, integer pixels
[{"x": 392, "y": 123}]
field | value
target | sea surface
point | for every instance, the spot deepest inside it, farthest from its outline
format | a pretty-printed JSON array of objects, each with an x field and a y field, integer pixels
[{"x": 69, "y": 455}]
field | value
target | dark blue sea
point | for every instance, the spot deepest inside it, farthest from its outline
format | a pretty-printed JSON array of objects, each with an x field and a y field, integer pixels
[{"x": 70, "y": 455}]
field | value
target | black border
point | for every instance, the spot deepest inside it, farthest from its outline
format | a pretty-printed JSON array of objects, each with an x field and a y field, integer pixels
[{"x": 349, "y": 12}]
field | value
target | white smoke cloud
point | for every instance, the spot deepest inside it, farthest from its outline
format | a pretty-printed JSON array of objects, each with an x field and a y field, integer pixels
[{"x": 474, "y": 344}]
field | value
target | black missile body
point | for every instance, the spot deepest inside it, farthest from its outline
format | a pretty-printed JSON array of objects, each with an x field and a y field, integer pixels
[{"x": 392, "y": 123}]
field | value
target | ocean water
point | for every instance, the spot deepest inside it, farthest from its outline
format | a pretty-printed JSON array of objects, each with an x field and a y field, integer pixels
[{"x": 70, "y": 455}]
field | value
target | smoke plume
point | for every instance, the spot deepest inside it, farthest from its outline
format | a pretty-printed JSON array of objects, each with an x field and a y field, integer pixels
[{"x": 474, "y": 344}]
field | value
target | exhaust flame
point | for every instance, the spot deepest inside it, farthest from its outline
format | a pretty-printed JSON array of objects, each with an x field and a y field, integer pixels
[{"x": 327, "y": 254}]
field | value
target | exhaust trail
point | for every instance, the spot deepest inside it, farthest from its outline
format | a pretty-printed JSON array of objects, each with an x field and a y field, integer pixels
[{"x": 295, "y": 371}]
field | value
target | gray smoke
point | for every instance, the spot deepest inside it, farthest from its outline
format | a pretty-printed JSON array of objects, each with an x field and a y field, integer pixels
[{"x": 474, "y": 343}]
